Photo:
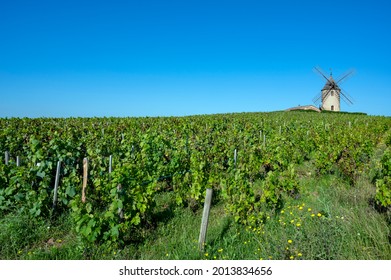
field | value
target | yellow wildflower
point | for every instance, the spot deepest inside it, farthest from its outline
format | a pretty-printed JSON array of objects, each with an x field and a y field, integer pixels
[
  {"x": 290, "y": 241},
  {"x": 319, "y": 215}
]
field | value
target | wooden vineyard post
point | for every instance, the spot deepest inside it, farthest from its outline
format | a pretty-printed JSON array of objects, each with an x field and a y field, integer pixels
[
  {"x": 110, "y": 164},
  {"x": 205, "y": 219},
  {"x": 187, "y": 144},
  {"x": 18, "y": 161},
  {"x": 235, "y": 156},
  {"x": 6, "y": 157},
  {"x": 85, "y": 177},
  {"x": 56, "y": 184},
  {"x": 280, "y": 130},
  {"x": 264, "y": 140},
  {"x": 260, "y": 136},
  {"x": 120, "y": 210}
]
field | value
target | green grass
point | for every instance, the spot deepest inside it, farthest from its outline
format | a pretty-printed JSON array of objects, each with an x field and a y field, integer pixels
[{"x": 329, "y": 220}]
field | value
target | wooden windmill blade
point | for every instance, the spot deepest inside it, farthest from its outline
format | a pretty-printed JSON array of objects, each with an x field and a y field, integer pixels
[
  {"x": 317, "y": 98},
  {"x": 319, "y": 70},
  {"x": 323, "y": 96},
  {"x": 346, "y": 97},
  {"x": 344, "y": 76}
]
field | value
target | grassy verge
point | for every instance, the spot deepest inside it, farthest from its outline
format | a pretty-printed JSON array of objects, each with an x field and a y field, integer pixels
[{"x": 329, "y": 220}]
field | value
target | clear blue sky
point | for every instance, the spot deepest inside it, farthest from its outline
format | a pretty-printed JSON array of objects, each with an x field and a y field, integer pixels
[{"x": 174, "y": 58}]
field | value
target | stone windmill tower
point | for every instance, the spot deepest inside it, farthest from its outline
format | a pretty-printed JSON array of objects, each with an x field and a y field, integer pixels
[{"x": 331, "y": 93}]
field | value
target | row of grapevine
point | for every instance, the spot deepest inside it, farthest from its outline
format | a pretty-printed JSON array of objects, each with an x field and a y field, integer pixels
[
  {"x": 383, "y": 178},
  {"x": 248, "y": 159}
]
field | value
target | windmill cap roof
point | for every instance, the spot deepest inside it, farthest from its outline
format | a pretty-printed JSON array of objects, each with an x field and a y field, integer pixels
[{"x": 331, "y": 84}]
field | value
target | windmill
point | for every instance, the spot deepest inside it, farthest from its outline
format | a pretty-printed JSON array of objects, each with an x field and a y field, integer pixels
[{"x": 330, "y": 96}]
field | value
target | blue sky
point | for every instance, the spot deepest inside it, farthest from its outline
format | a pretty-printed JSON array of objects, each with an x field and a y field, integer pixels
[{"x": 175, "y": 58}]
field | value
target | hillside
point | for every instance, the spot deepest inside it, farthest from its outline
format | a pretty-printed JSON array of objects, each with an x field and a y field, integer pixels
[{"x": 286, "y": 185}]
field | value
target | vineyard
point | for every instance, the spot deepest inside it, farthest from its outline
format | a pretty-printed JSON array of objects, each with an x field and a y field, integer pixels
[{"x": 119, "y": 181}]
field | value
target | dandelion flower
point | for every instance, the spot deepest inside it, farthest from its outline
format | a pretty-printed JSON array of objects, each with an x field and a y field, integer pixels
[
  {"x": 298, "y": 224},
  {"x": 301, "y": 208},
  {"x": 292, "y": 257},
  {"x": 290, "y": 241},
  {"x": 282, "y": 211},
  {"x": 312, "y": 215},
  {"x": 309, "y": 209},
  {"x": 206, "y": 254},
  {"x": 220, "y": 250},
  {"x": 319, "y": 215},
  {"x": 299, "y": 254}
]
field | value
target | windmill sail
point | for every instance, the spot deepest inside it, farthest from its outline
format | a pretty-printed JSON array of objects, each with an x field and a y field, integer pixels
[{"x": 331, "y": 94}]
